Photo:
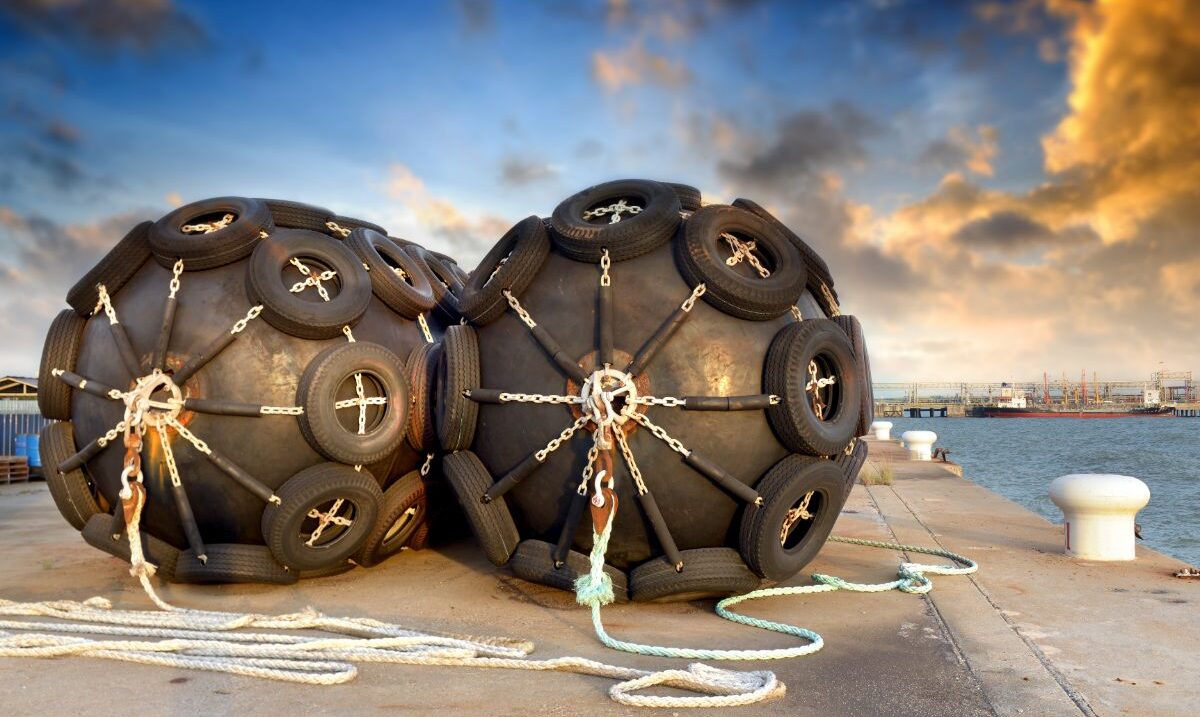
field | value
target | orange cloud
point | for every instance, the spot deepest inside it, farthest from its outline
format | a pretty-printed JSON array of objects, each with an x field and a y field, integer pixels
[{"x": 635, "y": 65}]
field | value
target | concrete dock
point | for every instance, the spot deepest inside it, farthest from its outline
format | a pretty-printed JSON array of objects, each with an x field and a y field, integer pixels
[{"x": 1032, "y": 633}]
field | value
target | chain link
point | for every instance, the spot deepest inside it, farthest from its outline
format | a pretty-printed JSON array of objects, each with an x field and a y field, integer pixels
[
  {"x": 329, "y": 517},
  {"x": 660, "y": 433},
  {"x": 104, "y": 302},
  {"x": 814, "y": 386},
  {"x": 834, "y": 309},
  {"x": 796, "y": 314},
  {"x": 516, "y": 306},
  {"x": 311, "y": 279},
  {"x": 425, "y": 328},
  {"x": 689, "y": 302},
  {"x": 539, "y": 398},
  {"x": 112, "y": 434},
  {"x": 670, "y": 401},
  {"x": 589, "y": 466},
  {"x": 427, "y": 464},
  {"x": 240, "y": 325},
  {"x": 634, "y": 471},
  {"x": 189, "y": 436},
  {"x": 615, "y": 209},
  {"x": 281, "y": 410},
  {"x": 744, "y": 250},
  {"x": 605, "y": 264},
  {"x": 334, "y": 227},
  {"x": 175, "y": 272},
  {"x": 849, "y": 450},
  {"x": 168, "y": 455},
  {"x": 794, "y": 516},
  {"x": 209, "y": 227},
  {"x": 557, "y": 441},
  {"x": 348, "y": 333}
]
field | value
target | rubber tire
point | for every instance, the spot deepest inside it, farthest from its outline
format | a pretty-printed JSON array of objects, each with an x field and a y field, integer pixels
[
  {"x": 492, "y": 523},
  {"x": 782, "y": 486},
  {"x": 209, "y": 251},
  {"x": 707, "y": 573},
  {"x": 482, "y": 298},
  {"x": 286, "y": 311},
  {"x": 406, "y": 493},
  {"x": 701, "y": 260},
  {"x": 420, "y": 538},
  {"x": 689, "y": 197},
  {"x": 72, "y": 492},
  {"x": 232, "y": 563},
  {"x": 114, "y": 270},
  {"x": 307, "y": 489},
  {"x": 458, "y": 371},
  {"x": 61, "y": 350},
  {"x": 533, "y": 560},
  {"x": 852, "y": 464},
  {"x": 858, "y": 343},
  {"x": 97, "y": 533},
  {"x": 816, "y": 265},
  {"x": 409, "y": 298},
  {"x": 328, "y": 572},
  {"x": 421, "y": 369},
  {"x": 445, "y": 283},
  {"x": 298, "y": 215},
  {"x": 785, "y": 374},
  {"x": 318, "y": 391},
  {"x": 632, "y": 236}
]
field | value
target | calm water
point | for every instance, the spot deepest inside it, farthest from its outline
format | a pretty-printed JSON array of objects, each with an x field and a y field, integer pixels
[{"x": 1019, "y": 457}]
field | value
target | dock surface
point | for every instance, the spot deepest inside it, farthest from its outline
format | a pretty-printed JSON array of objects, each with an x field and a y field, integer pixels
[{"x": 1033, "y": 632}]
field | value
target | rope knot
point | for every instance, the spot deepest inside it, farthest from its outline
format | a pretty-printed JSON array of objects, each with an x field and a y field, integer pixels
[{"x": 594, "y": 590}]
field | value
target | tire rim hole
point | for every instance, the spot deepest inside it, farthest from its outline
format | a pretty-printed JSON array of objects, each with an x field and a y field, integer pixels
[
  {"x": 393, "y": 264},
  {"x": 612, "y": 211},
  {"x": 748, "y": 257},
  {"x": 327, "y": 523},
  {"x": 825, "y": 400},
  {"x": 361, "y": 403},
  {"x": 320, "y": 281},
  {"x": 400, "y": 526},
  {"x": 800, "y": 519},
  {"x": 208, "y": 222}
]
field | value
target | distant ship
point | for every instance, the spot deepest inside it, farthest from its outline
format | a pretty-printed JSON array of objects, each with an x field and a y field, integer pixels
[{"x": 1068, "y": 412}]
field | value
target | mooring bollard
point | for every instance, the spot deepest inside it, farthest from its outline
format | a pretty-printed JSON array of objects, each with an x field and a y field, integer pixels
[
  {"x": 882, "y": 430},
  {"x": 1098, "y": 511},
  {"x": 919, "y": 444}
]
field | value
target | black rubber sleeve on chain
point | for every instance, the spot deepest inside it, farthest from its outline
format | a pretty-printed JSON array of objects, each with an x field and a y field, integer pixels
[
  {"x": 567, "y": 536},
  {"x": 86, "y": 385},
  {"x": 720, "y": 476},
  {"x": 605, "y": 314},
  {"x": 243, "y": 478},
  {"x": 125, "y": 349},
  {"x": 485, "y": 395},
  {"x": 661, "y": 531},
  {"x": 200, "y": 360},
  {"x": 159, "y": 359},
  {"x": 727, "y": 403},
  {"x": 568, "y": 364},
  {"x": 512, "y": 478},
  {"x": 188, "y": 519},
  {"x": 220, "y": 407},
  {"x": 85, "y": 454},
  {"x": 652, "y": 346}
]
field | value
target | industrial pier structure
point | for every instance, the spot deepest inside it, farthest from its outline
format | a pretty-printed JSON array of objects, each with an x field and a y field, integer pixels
[{"x": 956, "y": 398}]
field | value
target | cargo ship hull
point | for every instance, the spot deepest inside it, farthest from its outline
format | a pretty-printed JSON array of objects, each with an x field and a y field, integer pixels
[{"x": 1003, "y": 412}]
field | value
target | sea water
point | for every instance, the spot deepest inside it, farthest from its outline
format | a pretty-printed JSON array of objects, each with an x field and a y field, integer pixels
[{"x": 1018, "y": 457}]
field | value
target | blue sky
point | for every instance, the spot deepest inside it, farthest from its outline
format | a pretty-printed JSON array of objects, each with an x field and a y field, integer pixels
[{"x": 447, "y": 121}]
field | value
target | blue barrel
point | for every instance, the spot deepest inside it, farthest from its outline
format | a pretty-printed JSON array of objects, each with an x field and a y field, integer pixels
[
  {"x": 33, "y": 444},
  {"x": 21, "y": 445}
]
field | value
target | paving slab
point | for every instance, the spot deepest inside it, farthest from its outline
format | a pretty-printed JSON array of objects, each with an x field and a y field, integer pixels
[{"x": 1033, "y": 633}]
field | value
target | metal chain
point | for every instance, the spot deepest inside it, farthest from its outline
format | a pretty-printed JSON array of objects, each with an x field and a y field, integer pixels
[
  {"x": 281, "y": 410},
  {"x": 660, "y": 433},
  {"x": 689, "y": 302},
  {"x": 537, "y": 398},
  {"x": 361, "y": 401},
  {"x": 849, "y": 450},
  {"x": 329, "y": 517},
  {"x": 425, "y": 328},
  {"x": 589, "y": 466},
  {"x": 103, "y": 302},
  {"x": 112, "y": 434},
  {"x": 616, "y": 209},
  {"x": 427, "y": 464},
  {"x": 796, "y": 314},
  {"x": 605, "y": 264},
  {"x": 834, "y": 309},
  {"x": 311, "y": 279},
  {"x": 168, "y": 455},
  {"x": 175, "y": 272},
  {"x": 744, "y": 250},
  {"x": 521, "y": 312},
  {"x": 794, "y": 516},
  {"x": 634, "y": 471},
  {"x": 209, "y": 227},
  {"x": 189, "y": 436},
  {"x": 557, "y": 441},
  {"x": 814, "y": 386},
  {"x": 334, "y": 227},
  {"x": 240, "y": 325},
  {"x": 670, "y": 401},
  {"x": 349, "y": 334}
]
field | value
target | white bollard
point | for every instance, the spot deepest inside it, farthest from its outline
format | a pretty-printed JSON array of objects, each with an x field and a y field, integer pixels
[
  {"x": 919, "y": 444},
  {"x": 1098, "y": 513},
  {"x": 882, "y": 430}
]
